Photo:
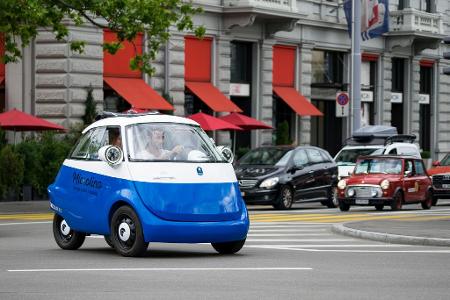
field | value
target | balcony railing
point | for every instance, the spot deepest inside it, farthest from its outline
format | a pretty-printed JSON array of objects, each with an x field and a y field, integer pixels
[
  {"x": 282, "y": 5},
  {"x": 410, "y": 19}
]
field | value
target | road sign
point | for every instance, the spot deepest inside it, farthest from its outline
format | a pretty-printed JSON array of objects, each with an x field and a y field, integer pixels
[{"x": 342, "y": 104}]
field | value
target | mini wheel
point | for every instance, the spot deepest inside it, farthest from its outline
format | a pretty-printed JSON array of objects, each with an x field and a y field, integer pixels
[
  {"x": 428, "y": 202},
  {"x": 66, "y": 237},
  {"x": 126, "y": 233},
  {"x": 379, "y": 207},
  {"x": 397, "y": 201},
  {"x": 229, "y": 247},
  {"x": 344, "y": 206},
  {"x": 285, "y": 199}
]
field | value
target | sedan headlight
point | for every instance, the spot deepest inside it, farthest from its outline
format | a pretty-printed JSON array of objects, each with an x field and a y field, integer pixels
[
  {"x": 342, "y": 184},
  {"x": 270, "y": 182},
  {"x": 384, "y": 184}
]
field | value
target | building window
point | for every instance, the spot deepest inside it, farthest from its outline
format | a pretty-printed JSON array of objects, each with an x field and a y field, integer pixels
[
  {"x": 398, "y": 73},
  {"x": 401, "y": 4},
  {"x": 425, "y": 89},
  {"x": 241, "y": 62},
  {"x": 327, "y": 68}
]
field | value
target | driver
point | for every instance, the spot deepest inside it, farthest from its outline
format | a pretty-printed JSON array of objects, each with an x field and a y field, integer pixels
[{"x": 154, "y": 148}]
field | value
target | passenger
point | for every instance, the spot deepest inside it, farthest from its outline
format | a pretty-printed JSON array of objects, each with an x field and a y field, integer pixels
[
  {"x": 154, "y": 148},
  {"x": 115, "y": 138}
]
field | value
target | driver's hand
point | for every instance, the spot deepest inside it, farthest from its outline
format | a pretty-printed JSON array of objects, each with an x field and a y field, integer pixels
[{"x": 177, "y": 149}]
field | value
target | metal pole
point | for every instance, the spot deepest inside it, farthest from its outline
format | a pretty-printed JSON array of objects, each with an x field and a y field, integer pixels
[{"x": 356, "y": 64}]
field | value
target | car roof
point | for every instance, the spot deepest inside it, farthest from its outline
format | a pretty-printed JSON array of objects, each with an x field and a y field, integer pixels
[
  {"x": 124, "y": 120},
  {"x": 389, "y": 156}
]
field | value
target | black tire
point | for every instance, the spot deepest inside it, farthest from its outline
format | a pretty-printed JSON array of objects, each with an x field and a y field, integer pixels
[
  {"x": 428, "y": 202},
  {"x": 109, "y": 241},
  {"x": 285, "y": 199},
  {"x": 332, "y": 198},
  {"x": 65, "y": 237},
  {"x": 379, "y": 207},
  {"x": 229, "y": 247},
  {"x": 126, "y": 233},
  {"x": 344, "y": 206},
  {"x": 397, "y": 201},
  {"x": 435, "y": 201}
]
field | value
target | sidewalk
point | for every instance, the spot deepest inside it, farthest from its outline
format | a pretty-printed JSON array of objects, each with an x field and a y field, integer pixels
[{"x": 431, "y": 233}]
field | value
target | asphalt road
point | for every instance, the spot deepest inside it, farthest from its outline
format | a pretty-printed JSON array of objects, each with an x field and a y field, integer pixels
[{"x": 288, "y": 255}]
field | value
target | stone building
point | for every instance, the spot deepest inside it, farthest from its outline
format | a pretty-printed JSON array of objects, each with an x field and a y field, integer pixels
[{"x": 274, "y": 60}]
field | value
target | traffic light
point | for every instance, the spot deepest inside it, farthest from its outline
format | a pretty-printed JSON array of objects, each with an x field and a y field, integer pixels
[{"x": 446, "y": 70}]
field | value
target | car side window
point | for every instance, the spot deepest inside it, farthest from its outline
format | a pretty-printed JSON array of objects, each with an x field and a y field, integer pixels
[
  {"x": 408, "y": 166},
  {"x": 420, "y": 170},
  {"x": 314, "y": 156},
  {"x": 89, "y": 144},
  {"x": 300, "y": 158},
  {"x": 325, "y": 156},
  {"x": 393, "y": 151}
]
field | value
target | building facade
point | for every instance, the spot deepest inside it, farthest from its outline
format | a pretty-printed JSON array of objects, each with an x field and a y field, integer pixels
[{"x": 280, "y": 61}]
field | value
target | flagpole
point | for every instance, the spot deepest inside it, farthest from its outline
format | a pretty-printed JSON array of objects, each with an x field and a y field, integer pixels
[{"x": 356, "y": 64}]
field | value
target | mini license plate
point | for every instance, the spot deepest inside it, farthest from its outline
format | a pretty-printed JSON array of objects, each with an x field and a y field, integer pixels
[
  {"x": 362, "y": 202},
  {"x": 446, "y": 186}
]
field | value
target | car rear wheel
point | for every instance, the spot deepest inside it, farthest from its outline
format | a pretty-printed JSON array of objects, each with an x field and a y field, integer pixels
[
  {"x": 397, "y": 201},
  {"x": 229, "y": 247},
  {"x": 344, "y": 206},
  {"x": 332, "y": 198},
  {"x": 126, "y": 233},
  {"x": 379, "y": 207},
  {"x": 66, "y": 237},
  {"x": 428, "y": 202},
  {"x": 285, "y": 199}
]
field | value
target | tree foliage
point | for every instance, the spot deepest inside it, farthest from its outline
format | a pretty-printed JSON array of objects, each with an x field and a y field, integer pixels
[
  {"x": 20, "y": 21},
  {"x": 90, "y": 111}
]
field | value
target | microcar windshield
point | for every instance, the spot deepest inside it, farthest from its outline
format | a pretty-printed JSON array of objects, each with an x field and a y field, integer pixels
[
  {"x": 170, "y": 142},
  {"x": 377, "y": 165}
]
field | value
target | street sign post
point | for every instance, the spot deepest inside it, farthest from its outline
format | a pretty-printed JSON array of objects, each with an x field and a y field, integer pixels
[{"x": 342, "y": 104}]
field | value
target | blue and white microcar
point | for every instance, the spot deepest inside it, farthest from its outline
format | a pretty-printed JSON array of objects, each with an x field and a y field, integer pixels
[{"x": 148, "y": 178}]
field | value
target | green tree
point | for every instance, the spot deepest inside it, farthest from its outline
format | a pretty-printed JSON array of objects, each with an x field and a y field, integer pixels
[
  {"x": 90, "y": 109},
  {"x": 23, "y": 18},
  {"x": 282, "y": 134}
]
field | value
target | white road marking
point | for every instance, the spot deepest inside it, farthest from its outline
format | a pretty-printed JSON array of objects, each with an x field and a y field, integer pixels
[
  {"x": 25, "y": 223},
  {"x": 294, "y": 246},
  {"x": 287, "y": 225},
  {"x": 287, "y": 230},
  {"x": 290, "y": 234},
  {"x": 162, "y": 269},
  {"x": 300, "y": 240},
  {"x": 362, "y": 251}
]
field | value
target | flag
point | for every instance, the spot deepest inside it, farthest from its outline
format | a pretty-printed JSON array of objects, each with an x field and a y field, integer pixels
[{"x": 374, "y": 17}]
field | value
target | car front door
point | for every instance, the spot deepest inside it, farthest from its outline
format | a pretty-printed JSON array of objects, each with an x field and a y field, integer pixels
[
  {"x": 320, "y": 173},
  {"x": 409, "y": 182},
  {"x": 422, "y": 181},
  {"x": 302, "y": 175}
]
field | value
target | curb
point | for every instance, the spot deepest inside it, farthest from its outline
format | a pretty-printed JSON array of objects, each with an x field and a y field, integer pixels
[{"x": 388, "y": 237}]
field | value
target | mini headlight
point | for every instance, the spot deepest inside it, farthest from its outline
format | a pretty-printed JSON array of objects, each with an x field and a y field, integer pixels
[
  {"x": 374, "y": 193},
  {"x": 384, "y": 184},
  {"x": 342, "y": 184},
  {"x": 270, "y": 182},
  {"x": 351, "y": 192}
]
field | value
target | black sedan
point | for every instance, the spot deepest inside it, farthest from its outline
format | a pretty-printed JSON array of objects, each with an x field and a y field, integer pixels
[{"x": 282, "y": 175}]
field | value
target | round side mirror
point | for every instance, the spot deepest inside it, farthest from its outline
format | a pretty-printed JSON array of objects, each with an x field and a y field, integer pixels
[
  {"x": 226, "y": 153},
  {"x": 112, "y": 155}
]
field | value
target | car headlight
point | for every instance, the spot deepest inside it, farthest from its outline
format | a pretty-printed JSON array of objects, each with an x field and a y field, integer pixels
[
  {"x": 270, "y": 182},
  {"x": 351, "y": 192},
  {"x": 384, "y": 184},
  {"x": 342, "y": 184}
]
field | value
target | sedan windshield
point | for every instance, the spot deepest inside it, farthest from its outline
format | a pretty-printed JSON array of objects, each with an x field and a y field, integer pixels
[
  {"x": 168, "y": 142},
  {"x": 349, "y": 156},
  {"x": 378, "y": 165},
  {"x": 266, "y": 156}
]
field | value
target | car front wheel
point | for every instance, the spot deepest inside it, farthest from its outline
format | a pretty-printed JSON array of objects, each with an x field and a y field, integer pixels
[
  {"x": 126, "y": 233},
  {"x": 332, "y": 198},
  {"x": 229, "y": 247},
  {"x": 344, "y": 206},
  {"x": 285, "y": 199},
  {"x": 397, "y": 201},
  {"x": 66, "y": 237}
]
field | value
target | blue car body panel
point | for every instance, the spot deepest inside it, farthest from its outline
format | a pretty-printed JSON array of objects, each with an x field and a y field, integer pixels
[{"x": 169, "y": 212}]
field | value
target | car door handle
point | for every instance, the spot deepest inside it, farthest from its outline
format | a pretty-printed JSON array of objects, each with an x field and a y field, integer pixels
[{"x": 310, "y": 172}]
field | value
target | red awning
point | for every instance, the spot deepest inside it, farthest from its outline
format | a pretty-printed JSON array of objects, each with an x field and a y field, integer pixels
[
  {"x": 2, "y": 79},
  {"x": 208, "y": 122},
  {"x": 245, "y": 122},
  {"x": 297, "y": 101},
  {"x": 212, "y": 97},
  {"x": 139, "y": 94}
]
